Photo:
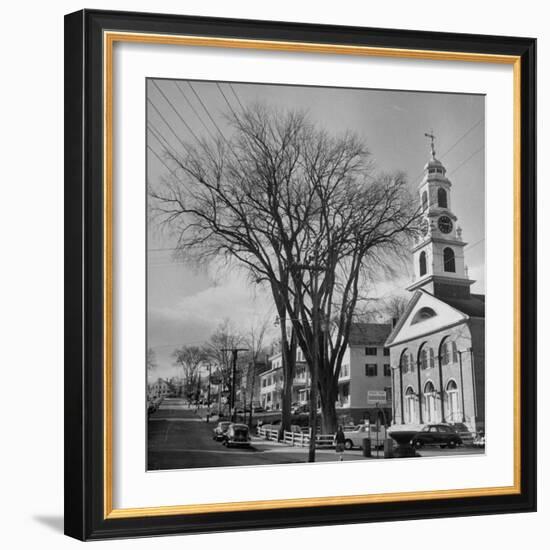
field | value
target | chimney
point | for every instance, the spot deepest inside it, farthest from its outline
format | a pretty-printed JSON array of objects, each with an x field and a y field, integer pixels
[{"x": 394, "y": 322}]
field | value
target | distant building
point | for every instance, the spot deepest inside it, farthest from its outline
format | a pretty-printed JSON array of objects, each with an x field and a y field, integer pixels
[
  {"x": 437, "y": 347},
  {"x": 364, "y": 384},
  {"x": 159, "y": 389},
  {"x": 271, "y": 382}
]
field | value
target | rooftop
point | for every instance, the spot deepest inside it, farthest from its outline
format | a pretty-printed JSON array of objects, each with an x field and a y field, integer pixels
[{"x": 365, "y": 334}]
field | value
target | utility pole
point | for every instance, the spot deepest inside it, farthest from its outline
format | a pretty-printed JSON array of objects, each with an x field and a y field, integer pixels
[{"x": 234, "y": 353}]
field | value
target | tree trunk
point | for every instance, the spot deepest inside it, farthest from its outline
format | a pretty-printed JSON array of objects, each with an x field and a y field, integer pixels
[
  {"x": 288, "y": 350},
  {"x": 329, "y": 420}
]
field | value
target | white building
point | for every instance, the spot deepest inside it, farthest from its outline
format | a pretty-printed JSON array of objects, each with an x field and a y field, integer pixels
[
  {"x": 438, "y": 345},
  {"x": 364, "y": 384}
]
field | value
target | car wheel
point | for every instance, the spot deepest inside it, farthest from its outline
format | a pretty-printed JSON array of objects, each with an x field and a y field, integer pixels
[
  {"x": 443, "y": 446},
  {"x": 452, "y": 444},
  {"x": 418, "y": 444},
  {"x": 348, "y": 444}
]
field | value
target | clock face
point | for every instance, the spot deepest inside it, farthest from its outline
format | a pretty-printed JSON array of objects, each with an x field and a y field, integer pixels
[{"x": 445, "y": 224}]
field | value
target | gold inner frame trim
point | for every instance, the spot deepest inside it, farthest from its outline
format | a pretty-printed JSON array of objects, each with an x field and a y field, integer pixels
[{"x": 109, "y": 39}]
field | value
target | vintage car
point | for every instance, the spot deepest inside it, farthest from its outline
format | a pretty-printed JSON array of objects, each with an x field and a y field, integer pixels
[
  {"x": 355, "y": 435},
  {"x": 436, "y": 434},
  {"x": 237, "y": 435},
  {"x": 220, "y": 430}
]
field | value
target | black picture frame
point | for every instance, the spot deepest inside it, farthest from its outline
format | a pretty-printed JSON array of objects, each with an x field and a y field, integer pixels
[{"x": 85, "y": 516}]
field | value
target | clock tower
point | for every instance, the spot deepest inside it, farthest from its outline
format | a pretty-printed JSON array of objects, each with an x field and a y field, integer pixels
[{"x": 439, "y": 253}]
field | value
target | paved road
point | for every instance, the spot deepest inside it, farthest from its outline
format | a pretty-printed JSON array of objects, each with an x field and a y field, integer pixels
[{"x": 180, "y": 438}]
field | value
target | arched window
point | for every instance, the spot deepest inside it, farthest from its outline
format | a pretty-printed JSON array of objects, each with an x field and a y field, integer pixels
[
  {"x": 442, "y": 198},
  {"x": 410, "y": 406},
  {"x": 411, "y": 362},
  {"x": 430, "y": 402},
  {"x": 424, "y": 200},
  {"x": 451, "y": 395},
  {"x": 449, "y": 260},
  {"x": 426, "y": 357},
  {"x": 404, "y": 361},
  {"x": 422, "y": 261}
]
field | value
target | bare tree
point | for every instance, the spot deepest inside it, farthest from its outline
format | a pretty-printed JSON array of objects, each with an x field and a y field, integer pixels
[
  {"x": 151, "y": 360},
  {"x": 395, "y": 306},
  {"x": 190, "y": 358},
  {"x": 303, "y": 212},
  {"x": 225, "y": 337}
]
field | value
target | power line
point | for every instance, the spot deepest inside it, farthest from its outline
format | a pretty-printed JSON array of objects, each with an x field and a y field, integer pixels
[
  {"x": 236, "y": 96},
  {"x": 465, "y": 161},
  {"x": 193, "y": 109},
  {"x": 162, "y": 141},
  {"x": 161, "y": 160},
  {"x": 226, "y": 100},
  {"x": 168, "y": 125},
  {"x": 177, "y": 112},
  {"x": 158, "y": 134},
  {"x": 462, "y": 137},
  {"x": 418, "y": 178},
  {"x": 206, "y": 110}
]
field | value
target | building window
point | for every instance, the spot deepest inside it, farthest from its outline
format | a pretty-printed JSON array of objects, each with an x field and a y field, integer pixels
[
  {"x": 449, "y": 260},
  {"x": 422, "y": 262},
  {"x": 344, "y": 371},
  {"x": 424, "y": 200},
  {"x": 410, "y": 406},
  {"x": 404, "y": 362},
  {"x": 370, "y": 351},
  {"x": 442, "y": 197},
  {"x": 371, "y": 369},
  {"x": 422, "y": 314},
  {"x": 430, "y": 402},
  {"x": 387, "y": 352},
  {"x": 426, "y": 358},
  {"x": 387, "y": 370}
]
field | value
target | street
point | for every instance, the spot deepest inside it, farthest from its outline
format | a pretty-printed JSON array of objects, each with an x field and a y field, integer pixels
[{"x": 180, "y": 438}]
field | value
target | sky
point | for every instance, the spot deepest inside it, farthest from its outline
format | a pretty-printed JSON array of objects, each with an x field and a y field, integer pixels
[{"x": 184, "y": 305}]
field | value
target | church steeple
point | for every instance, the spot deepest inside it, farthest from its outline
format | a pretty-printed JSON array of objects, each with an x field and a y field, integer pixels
[{"x": 438, "y": 254}]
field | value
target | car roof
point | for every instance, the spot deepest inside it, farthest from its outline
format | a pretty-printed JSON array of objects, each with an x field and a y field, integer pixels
[{"x": 240, "y": 426}]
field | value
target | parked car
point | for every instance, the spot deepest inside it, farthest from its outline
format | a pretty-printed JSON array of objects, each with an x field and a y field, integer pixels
[
  {"x": 259, "y": 409},
  {"x": 237, "y": 435},
  {"x": 436, "y": 434},
  {"x": 220, "y": 430},
  {"x": 355, "y": 435},
  {"x": 479, "y": 440}
]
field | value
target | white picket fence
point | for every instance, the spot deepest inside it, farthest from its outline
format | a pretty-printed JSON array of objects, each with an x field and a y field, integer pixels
[{"x": 297, "y": 439}]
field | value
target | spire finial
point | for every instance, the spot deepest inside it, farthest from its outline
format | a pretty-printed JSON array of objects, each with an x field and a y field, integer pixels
[{"x": 432, "y": 145}]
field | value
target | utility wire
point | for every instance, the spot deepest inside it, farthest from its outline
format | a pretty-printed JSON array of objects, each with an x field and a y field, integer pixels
[
  {"x": 194, "y": 110},
  {"x": 177, "y": 112},
  {"x": 168, "y": 125},
  {"x": 226, "y": 100},
  {"x": 236, "y": 96}
]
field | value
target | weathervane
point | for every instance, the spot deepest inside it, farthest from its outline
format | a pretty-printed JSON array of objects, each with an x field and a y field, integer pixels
[{"x": 432, "y": 138}]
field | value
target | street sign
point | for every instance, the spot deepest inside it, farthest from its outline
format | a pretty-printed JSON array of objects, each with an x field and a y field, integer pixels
[{"x": 376, "y": 396}]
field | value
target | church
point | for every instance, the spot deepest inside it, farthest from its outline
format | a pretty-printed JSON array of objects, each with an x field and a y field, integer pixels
[{"x": 437, "y": 347}]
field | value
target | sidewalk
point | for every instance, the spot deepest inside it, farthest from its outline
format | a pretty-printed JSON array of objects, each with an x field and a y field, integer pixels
[{"x": 322, "y": 455}]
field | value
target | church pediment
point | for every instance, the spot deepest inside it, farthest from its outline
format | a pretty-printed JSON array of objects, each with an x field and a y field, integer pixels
[{"x": 424, "y": 314}]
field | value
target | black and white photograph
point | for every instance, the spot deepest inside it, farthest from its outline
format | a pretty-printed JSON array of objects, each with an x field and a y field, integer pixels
[{"x": 315, "y": 274}]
